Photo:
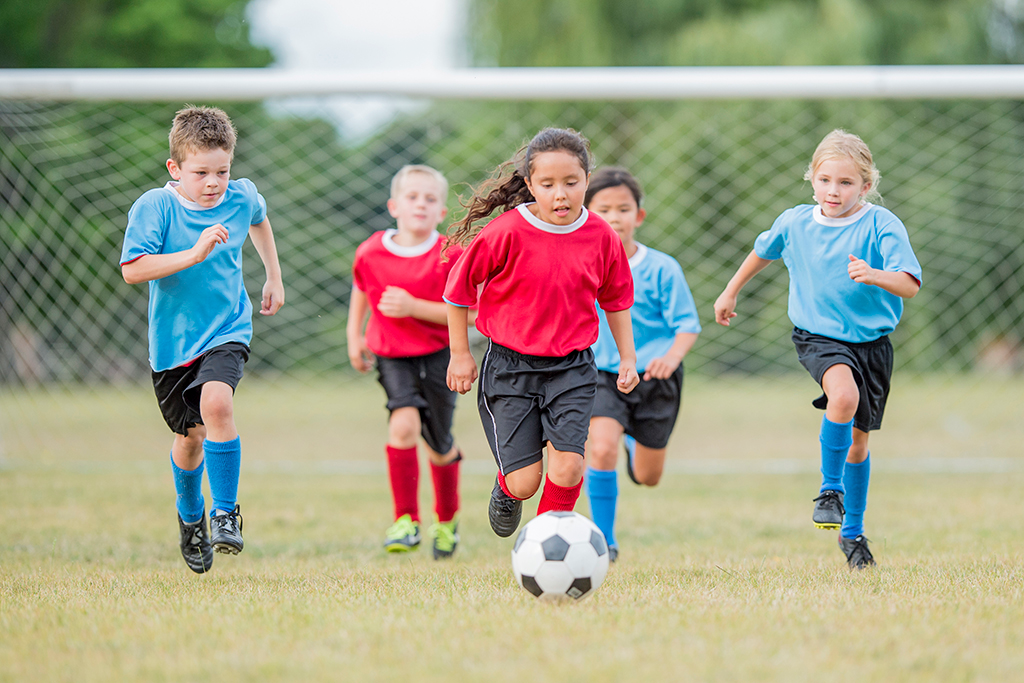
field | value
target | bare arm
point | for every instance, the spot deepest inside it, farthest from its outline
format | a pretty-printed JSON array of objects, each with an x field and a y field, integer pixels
[
  {"x": 262, "y": 236},
  {"x": 662, "y": 368},
  {"x": 621, "y": 325},
  {"x": 358, "y": 352},
  {"x": 725, "y": 305},
  {"x": 396, "y": 302},
  {"x": 157, "y": 266},
  {"x": 462, "y": 366},
  {"x": 901, "y": 284}
]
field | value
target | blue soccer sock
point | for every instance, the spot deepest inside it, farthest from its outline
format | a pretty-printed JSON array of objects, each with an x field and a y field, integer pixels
[
  {"x": 223, "y": 463},
  {"x": 189, "y": 486},
  {"x": 603, "y": 491},
  {"x": 856, "y": 478},
  {"x": 836, "y": 439}
]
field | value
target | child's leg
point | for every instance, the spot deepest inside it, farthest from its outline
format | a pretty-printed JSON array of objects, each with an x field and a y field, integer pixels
[
  {"x": 602, "y": 480},
  {"x": 856, "y": 479},
  {"x": 187, "y": 466},
  {"x": 403, "y": 464},
  {"x": 648, "y": 464},
  {"x": 837, "y": 425},
  {"x": 564, "y": 481},
  {"x": 222, "y": 447}
]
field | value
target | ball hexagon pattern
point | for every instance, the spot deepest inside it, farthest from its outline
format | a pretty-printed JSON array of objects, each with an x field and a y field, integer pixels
[{"x": 560, "y": 556}]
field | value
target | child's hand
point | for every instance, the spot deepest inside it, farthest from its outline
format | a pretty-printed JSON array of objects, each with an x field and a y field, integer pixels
[
  {"x": 359, "y": 355},
  {"x": 662, "y": 368},
  {"x": 273, "y": 297},
  {"x": 395, "y": 302},
  {"x": 628, "y": 379},
  {"x": 861, "y": 272},
  {"x": 725, "y": 307},
  {"x": 461, "y": 372},
  {"x": 211, "y": 237}
]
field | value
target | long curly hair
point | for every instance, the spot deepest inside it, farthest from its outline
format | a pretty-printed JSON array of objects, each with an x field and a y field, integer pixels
[{"x": 506, "y": 188}]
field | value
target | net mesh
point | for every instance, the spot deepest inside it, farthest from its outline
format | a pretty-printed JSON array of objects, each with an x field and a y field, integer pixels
[{"x": 715, "y": 174}]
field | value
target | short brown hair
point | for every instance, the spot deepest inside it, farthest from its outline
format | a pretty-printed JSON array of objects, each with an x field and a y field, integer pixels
[{"x": 197, "y": 129}]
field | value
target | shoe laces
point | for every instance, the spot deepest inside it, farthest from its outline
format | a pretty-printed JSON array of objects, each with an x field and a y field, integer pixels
[
  {"x": 833, "y": 497},
  {"x": 444, "y": 534},
  {"x": 229, "y": 521},
  {"x": 403, "y": 526}
]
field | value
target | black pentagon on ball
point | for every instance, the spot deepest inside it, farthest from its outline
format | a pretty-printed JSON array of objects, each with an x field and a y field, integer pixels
[
  {"x": 561, "y": 513},
  {"x": 530, "y": 584},
  {"x": 579, "y": 588},
  {"x": 597, "y": 540},
  {"x": 555, "y": 547},
  {"x": 519, "y": 539}
]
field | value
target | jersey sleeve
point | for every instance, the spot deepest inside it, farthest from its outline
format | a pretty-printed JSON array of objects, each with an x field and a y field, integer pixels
[
  {"x": 472, "y": 268},
  {"x": 147, "y": 225},
  {"x": 359, "y": 266},
  {"x": 897, "y": 254},
  {"x": 258, "y": 203},
  {"x": 616, "y": 290},
  {"x": 678, "y": 306},
  {"x": 770, "y": 243}
]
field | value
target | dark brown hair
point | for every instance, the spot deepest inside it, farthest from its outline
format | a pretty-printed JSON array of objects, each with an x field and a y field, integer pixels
[
  {"x": 612, "y": 176},
  {"x": 506, "y": 188}
]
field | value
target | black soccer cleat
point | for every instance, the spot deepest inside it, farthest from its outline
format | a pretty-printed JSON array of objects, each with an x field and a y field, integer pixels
[
  {"x": 195, "y": 545},
  {"x": 613, "y": 553},
  {"x": 226, "y": 531},
  {"x": 829, "y": 510},
  {"x": 856, "y": 550},
  {"x": 504, "y": 511}
]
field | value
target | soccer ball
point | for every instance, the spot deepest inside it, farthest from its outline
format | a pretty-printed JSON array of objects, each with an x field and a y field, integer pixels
[{"x": 560, "y": 555}]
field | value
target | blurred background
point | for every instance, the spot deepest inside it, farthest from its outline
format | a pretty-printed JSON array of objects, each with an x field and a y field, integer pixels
[{"x": 715, "y": 173}]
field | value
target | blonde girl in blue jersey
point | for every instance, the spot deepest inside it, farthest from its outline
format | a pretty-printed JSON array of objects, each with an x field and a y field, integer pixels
[{"x": 850, "y": 267}]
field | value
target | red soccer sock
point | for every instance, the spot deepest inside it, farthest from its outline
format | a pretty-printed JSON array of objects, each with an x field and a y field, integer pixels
[
  {"x": 404, "y": 471},
  {"x": 504, "y": 486},
  {"x": 446, "y": 489},
  {"x": 555, "y": 497}
]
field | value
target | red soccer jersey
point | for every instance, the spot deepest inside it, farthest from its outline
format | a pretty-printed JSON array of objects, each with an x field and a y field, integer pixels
[
  {"x": 540, "y": 281},
  {"x": 418, "y": 270}
]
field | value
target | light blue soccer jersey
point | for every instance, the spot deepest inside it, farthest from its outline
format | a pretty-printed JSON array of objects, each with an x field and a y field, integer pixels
[
  {"x": 662, "y": 308},
  {"x": 816, "y": 250},
  {"x": 206, "y": 305}
]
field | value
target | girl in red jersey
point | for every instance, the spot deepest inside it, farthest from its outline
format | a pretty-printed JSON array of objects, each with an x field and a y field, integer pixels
[{"x": 542, "y": 264}]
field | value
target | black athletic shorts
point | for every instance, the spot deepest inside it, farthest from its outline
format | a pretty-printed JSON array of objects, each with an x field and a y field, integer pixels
[
  {"x": 871, "y": 363},
  {"x": 178, "y": 389},
  {"x": 526, "y": 401},
  {"x": 421, "y": 382},
  {"x": 648, "y": 413}
]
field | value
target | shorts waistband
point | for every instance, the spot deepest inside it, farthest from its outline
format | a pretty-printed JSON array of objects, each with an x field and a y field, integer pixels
[
  {"x": 884, "y": 339},
  {"x": 515, "y": 355}
]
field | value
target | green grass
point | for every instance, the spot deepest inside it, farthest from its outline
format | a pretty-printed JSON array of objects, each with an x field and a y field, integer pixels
[{"x": 721, "y": 577}]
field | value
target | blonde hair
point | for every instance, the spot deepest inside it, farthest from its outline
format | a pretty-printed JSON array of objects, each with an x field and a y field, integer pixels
[
  {"x": 408, "y": 169},
  {"x": 197, "y": 129},
  {"x": 842, "y": 145}
]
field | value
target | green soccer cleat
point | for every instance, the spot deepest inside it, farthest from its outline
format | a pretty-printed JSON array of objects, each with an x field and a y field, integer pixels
[
  {"x": 446, "y": 539},
  {"x": 402, "y": 536}
]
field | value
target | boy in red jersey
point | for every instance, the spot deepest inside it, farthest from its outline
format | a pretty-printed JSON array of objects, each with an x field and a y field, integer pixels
[
  {"x": 542, "y": 265},
  {"x": 398, "y": 280}
]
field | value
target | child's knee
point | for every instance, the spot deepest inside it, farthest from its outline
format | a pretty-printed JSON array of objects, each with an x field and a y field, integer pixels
[
  {"x": 404, "y": 427},
  {"x": 602, "y": 454}
]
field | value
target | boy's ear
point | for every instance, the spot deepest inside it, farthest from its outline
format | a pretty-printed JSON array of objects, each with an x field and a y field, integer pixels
[
  {"x": 641, "y": 214},
  {"x": 172, "y": 168},
  {"x": 392, "y": 207}
]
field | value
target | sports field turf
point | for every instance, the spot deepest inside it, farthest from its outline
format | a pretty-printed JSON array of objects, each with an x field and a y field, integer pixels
[{"x": 722, "y": 576}]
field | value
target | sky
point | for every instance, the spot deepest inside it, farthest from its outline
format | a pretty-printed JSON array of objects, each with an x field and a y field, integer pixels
[{"x": 356, "y": 34}]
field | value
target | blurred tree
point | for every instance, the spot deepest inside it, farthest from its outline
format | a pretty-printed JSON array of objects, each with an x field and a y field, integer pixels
[{"x": 126, "y": 33}]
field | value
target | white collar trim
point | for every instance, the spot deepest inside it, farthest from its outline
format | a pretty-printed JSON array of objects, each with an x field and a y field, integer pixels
[
  {"x": 388, "y": 240},
  {"x": 172, "y": 187},
  {"x": 822, "y": 219},
  {"x": 525, "y": 212},
  {"x": 638, "y": 257}
]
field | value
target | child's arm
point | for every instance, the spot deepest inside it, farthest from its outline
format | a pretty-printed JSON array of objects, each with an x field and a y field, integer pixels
[
  {"x": 901, "y": 284},
  {"x": 262, "y": 237},
  {"x": 359, "y": 353},
  {"x": 725, "y": 304},
  {"x": 621, "y": 325},
  {"x": 157, "y": 266},
  {"x": 662, "y": 368},
  {"x": 462, "y": 366},
  {"x": 395, "y": 302}
]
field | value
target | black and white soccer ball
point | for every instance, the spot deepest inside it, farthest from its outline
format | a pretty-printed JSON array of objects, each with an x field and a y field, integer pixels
[{"x": 560, "y": 555}]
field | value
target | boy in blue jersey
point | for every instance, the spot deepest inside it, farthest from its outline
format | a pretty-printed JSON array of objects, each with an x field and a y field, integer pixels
[
  {"x": 665, "y": 327},
  {"x": 186, "y": 239},
  {"x": 850, "y": 267}
]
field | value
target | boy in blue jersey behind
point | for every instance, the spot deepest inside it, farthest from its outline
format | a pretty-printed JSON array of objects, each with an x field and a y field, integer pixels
[
  {"x": 850, "y": 267},
  {"x": 186, "y": 239},
  {"x": 665, "y": 327}
]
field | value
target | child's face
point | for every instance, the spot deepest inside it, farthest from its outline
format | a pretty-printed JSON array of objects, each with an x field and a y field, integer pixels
[
  {"x": 559, "y": 184},
  {"x": 202, "y": 176},
  {"x": 838, "y": 187},
  {"x": 618, "y": 206},
  {"x": 418, "y": 207}
]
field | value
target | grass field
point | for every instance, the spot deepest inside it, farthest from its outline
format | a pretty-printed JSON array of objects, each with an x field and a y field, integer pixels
[{"x": 721, "y": 577}]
